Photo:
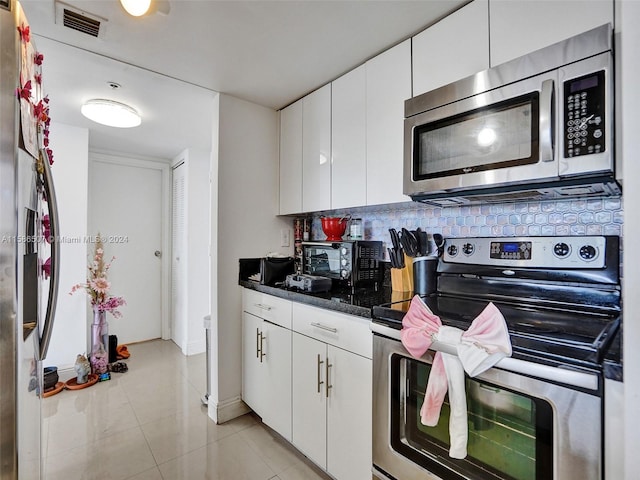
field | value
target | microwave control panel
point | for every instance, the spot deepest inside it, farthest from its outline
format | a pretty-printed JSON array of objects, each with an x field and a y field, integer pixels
[{"x": 584, "y": 115}]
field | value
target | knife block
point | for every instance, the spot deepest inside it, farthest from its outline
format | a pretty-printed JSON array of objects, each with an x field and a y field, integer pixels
[{"x": 402, "y": 278}]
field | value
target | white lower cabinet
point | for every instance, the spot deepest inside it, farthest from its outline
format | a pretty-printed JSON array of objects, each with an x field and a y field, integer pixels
[
  {"x": 309, "y": 394},
  {"x": 349, "y": 415},
  {"x": 332, "y": 391},
  {"x": 307, "y": 372},
  {"x": 266, "y": 362}
]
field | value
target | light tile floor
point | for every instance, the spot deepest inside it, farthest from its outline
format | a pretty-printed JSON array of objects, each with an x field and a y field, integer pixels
[{"x": 149, "y": 424}]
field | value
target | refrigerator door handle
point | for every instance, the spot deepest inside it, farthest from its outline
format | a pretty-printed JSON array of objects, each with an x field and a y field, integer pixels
[{"x": 55, "y": 254}]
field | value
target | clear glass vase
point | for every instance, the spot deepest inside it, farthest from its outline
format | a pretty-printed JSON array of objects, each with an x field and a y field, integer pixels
[{"x": 99, "y": 357}]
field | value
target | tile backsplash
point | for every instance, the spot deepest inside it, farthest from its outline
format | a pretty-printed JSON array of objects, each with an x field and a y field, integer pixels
[{"x": 536, "y": 218}]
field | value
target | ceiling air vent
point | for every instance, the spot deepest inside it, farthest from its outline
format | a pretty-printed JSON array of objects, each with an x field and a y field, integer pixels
[{"x": 79, "y": 20}]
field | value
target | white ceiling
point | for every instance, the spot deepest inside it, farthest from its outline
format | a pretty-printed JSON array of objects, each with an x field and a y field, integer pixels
[{"x": 171, "y": 65}]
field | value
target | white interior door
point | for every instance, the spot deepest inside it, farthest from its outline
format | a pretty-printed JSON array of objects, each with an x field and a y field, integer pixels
[
  {"x": 178, "y": 258},
  {"x": 126, "y": 208}
]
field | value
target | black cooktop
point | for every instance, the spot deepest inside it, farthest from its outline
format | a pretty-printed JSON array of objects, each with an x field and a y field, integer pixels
[
  {"x": 581, "y": 338},
  {"x": 560, "y": 296}
]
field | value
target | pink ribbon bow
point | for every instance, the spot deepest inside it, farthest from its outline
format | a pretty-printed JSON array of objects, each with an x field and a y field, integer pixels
[{"x": 484, "y": 344}]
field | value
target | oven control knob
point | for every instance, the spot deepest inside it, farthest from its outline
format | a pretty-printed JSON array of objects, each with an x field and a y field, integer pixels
[
  {"x": 561, "y": 249},
  {"x": 588, "y": 252},
  {"x": 468, "y": 248},
  {"x": 344, "y": 273},
  {"x": 343, "y": 262},
  {"x": 344, "y": 250},
  {"x": 452, "y": 250}
]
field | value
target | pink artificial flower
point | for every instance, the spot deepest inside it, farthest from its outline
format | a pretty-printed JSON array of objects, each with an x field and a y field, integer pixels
[
  {"x": 38, "y": 58},
  {"x": 100, "y": 285},
  {"x": 38, "y": 78}
]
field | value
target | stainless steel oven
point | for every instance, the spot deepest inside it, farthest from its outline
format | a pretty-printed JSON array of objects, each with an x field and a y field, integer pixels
[{"x": 536, "y": 415}]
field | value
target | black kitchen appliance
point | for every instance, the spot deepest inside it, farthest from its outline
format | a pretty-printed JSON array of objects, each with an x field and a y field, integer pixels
[
  {"x": 537, "y": 415},
  {"x": 308, "y": 283},
  {"x": 353, "y": 264}
]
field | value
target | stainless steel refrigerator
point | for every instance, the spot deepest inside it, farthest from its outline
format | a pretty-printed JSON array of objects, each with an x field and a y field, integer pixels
[{"x": 28, "y": 286}]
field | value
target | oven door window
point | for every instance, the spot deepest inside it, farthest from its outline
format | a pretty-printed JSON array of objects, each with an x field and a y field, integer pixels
[
  {"x": 496, "y": 136},
  {"x": 510, "y": 433},
  {"x": 322, "y": 260}
]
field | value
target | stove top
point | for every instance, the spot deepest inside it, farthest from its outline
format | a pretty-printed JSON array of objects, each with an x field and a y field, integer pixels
[{"x": 558, "y": 306}]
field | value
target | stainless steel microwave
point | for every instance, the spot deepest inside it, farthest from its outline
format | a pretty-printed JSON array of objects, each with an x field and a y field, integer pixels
[{"x": 540, "y": 126}]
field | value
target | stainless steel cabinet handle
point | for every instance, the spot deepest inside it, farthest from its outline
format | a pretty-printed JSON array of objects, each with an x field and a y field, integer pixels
[
  {"x": 546, "y": 121},
  {"x": 262, "y": 354},
  {"x": 320, "y": 362},
  {"x": 257, "y": 343},
  {"x": 324, "y": 327},
  {"x": 263, "y": 307},
  {"x": 328, "y": 365}
]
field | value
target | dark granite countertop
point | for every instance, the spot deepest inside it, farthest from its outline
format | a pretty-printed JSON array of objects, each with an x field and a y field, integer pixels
[{"x": 359, "y": 303}]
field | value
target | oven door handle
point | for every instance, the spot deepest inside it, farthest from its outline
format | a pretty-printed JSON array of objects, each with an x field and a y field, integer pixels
[
  {"x": 574, "y": 378},
  {"x": 567, "y": 376}
]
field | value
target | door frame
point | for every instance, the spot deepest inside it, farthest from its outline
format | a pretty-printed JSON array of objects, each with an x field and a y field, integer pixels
[
  {"x": 165, "y": 224},
  {"x": 182, "y": 159}
]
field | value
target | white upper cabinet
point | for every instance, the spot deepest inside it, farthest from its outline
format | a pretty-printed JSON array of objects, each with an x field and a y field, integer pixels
[
  {"x": 291, "y": 159},
  {"x": 523, "y": 26},
  {"x": 388, "y": 86},
  {"x": 316, "y": 150},
  {"x": 455, "y": 47},
  {"x": 348, "y": 140}
]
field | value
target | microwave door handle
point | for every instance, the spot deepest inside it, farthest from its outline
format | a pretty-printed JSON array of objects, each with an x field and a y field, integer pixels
[{"x": 546, "y": 120}]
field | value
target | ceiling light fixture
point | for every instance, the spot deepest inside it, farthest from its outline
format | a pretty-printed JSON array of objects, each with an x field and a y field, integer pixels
[
  {"x": 136, "y": 8},
  {"x": 111, "y": 113}
]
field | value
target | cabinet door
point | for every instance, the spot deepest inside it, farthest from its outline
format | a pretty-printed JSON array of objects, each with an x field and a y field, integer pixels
[
  {"x": 276, "y": 347},
  {"x": 349, "y": 415},
  {"x": 518, "y": 28},
  {"x": 291, "y": 159},
  {"x": 252, "y": 378},
  {"x": 316, "y": 150},
  {"x": 348, "y": 140},
  {"x": 463, "y": 35},
  {"x": 309, "y": 398},
  {"x": 388, "y": 86}
]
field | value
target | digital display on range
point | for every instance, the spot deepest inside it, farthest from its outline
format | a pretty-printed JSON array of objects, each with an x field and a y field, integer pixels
[{"x": 511, "y": 250}]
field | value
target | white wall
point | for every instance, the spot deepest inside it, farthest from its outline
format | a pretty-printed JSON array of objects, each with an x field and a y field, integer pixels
[
  {"x": 245, "y": 171},
  {"x": 70, "y": 147},
  {"x": 197, "y": 226},
  {"x": 627, "y": 42}
]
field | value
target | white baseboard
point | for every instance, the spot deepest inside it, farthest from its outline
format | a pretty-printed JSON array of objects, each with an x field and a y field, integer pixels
[
  {"x": 222, "y": 412},
  {"x": 194, "y": 348}
]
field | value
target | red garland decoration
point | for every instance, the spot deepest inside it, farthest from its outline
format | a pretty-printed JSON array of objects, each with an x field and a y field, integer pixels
[
  {"x": 24, "y": 92},
  {"x": 25, "y": 33},
  {"x": 41, "y": 109}
]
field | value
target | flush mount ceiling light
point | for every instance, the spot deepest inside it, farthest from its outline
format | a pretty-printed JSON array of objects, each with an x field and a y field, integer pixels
[
  {"x": 111, "y": 113},
  {"x": 136, "y": 8}
]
